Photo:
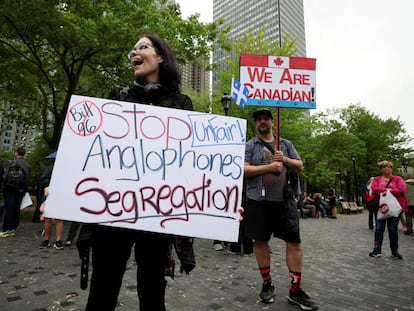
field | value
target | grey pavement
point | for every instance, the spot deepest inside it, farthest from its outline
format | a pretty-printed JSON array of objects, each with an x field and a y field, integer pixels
[{"x": 337, "y": 273}]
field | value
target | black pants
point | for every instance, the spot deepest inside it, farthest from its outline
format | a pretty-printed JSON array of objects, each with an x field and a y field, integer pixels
[
  {"x": 243, "y": 241},
  {"x": 73, "y": 230},
  {"x": 372, "y": 217},
  {"x": 12, "y": 201},
  {"x": 111, "y": 248}
]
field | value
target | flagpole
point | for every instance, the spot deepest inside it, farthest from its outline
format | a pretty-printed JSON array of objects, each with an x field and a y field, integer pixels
[{"x": 278, "y": 108}]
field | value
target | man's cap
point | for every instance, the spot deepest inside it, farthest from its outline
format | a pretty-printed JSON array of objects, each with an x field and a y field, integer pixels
[{"x": 264, "y": 111}]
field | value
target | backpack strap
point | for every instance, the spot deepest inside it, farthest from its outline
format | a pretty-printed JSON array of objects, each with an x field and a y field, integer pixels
[{"x": 267, "y": 145}]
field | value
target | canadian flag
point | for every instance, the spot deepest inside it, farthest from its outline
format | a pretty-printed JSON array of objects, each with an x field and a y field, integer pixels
[{"x": 253, "y": 60}]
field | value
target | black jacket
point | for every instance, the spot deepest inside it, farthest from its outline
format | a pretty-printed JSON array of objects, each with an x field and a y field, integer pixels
[
  {"x": 158, "y": 97},
  {"x": 26, "y": 167}
]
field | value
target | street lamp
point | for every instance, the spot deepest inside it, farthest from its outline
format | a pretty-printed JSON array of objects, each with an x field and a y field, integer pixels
[
  {"x": 353, "y": 157},
  {"x": 339, "y": 174},
  {"x": 226, "y": 101},
  {"x": 405, "y": 165},
  {"x": 347, "y": 180}
]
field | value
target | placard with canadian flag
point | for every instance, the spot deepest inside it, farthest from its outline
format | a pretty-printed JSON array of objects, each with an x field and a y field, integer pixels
[{"x": 279, "y": 81}]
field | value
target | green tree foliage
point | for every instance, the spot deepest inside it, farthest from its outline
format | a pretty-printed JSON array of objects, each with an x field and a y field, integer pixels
[
  {"x": 251, "y": 42},
  {"x": 50, "y": 50},
  {"x": 384, "y": 139},
  {"x": 201, "y": 100},
  {"x": 341, "y": 132}
]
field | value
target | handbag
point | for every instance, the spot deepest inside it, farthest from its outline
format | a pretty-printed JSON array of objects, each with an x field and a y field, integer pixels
[
  {"x": 291, "y": 185},
  {"x": 290, "y": 215},
  {"x": 26, "y": 201},
  {"x": 374, "y": 203},
  {"x": 388, "y": 206},
  {"x": 185, "y": 252}
]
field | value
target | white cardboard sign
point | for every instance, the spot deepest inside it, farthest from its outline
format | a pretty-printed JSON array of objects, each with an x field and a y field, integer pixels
[
  {"x": 279, "y": 81},
  {"x": 149, "y": 168}
]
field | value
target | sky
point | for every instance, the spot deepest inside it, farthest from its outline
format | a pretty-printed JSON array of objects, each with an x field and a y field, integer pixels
[{"x": 363, "y": 53}]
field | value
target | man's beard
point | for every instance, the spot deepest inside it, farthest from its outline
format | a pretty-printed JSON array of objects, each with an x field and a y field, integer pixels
[{"x": 264, "y": 131}]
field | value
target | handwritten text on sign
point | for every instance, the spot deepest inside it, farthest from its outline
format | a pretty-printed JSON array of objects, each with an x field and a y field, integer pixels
[
  {"x": 279, "y": 81},
  {"x": 150, "y": 168}
]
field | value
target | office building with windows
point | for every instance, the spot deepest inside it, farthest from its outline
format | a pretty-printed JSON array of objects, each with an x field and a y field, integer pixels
[
  {"x": 195, "y": 77},
  {"x": 13, "y": 135},
  {"x": 275, "y": 17}
]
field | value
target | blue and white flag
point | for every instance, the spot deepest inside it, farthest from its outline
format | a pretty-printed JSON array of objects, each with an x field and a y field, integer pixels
[{"x": 239, "y": 92}]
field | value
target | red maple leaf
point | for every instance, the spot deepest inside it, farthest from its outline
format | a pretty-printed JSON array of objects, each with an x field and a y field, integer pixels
[{"x": 278, "y": 61}]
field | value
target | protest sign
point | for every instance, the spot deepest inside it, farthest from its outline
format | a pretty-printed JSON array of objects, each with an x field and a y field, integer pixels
[
  {"x": 149, "y": 168},
  {"x": 279, "y": 81}
]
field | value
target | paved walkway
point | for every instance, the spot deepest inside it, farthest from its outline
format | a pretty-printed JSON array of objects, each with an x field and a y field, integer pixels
[{"x": 338, "y": 274}]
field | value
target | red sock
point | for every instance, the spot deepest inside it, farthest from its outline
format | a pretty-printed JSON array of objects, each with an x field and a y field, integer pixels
[
  {"x": 266, "y": 275},
  {"x": 295, "y": 280}
]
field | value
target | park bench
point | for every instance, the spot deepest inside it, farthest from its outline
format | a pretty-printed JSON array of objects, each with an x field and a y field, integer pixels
[{"x": 350, "y": 207}]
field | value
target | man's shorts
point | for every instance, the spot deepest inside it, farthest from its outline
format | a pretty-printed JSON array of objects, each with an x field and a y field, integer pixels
[{"x": 262, "y": 218}]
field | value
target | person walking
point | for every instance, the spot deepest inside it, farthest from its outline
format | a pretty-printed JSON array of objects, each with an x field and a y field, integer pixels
[
  {"x": 15, "y": 185},
  {"x": 371, "y": 201},
  {"x": 265, "y": 170},
  {"x": 409, "y": 194},
  {"x": 43, "y": 183},
  {"x": 74, "y": 229},
  {"x": 157, "y": 82},
  {"x": 332, "y": 202},
  {"x": 396, "y": 185}
]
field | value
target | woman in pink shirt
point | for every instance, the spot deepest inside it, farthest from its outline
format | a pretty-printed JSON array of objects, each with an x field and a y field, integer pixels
[{"x": 396, "y": 185}]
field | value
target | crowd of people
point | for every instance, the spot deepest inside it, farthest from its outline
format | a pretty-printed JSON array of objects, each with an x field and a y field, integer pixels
[
  {"x": 315, "y": 205},
  {"x": 272, "y": 166}
]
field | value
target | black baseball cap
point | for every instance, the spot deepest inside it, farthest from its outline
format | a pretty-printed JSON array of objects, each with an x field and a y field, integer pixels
[{"x": 263, "y": 111}]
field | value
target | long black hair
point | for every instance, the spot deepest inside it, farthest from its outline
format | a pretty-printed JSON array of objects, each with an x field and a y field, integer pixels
[{"x": 169, "y": 74}]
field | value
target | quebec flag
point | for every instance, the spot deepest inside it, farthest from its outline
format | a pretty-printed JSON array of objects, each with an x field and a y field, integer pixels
[{"x": 239, "y": 92}]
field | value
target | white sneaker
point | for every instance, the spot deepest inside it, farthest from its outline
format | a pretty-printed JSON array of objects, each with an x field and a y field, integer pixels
[{"x": 218, "y": 247}]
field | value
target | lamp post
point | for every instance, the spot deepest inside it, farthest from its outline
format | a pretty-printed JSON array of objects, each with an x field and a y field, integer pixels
[
  {"x": 339, "y": 174},
  {"x": 347, "y": 181},
  {"x": 405, "y": 165},
  {"x": 226, "y": 101},
  {"x": 353, "y": 157}
]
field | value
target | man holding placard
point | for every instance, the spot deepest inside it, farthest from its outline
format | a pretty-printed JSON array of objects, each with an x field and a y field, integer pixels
[{"x": 266, "y": 171}]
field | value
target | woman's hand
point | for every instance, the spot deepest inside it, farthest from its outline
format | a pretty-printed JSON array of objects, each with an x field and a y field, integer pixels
[
  {"x": 43, "y": 205},
  {"x": 241, "y": 210}
]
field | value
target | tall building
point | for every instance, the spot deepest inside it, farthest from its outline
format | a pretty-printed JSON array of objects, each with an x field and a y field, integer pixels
[
  {"x": 13, "y": 135},
  {"x": 276, "y": 17},
  {"x": 195, "y": 77}
]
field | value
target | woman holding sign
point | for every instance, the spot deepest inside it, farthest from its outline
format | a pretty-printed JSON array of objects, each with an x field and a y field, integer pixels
[{"x": 157, "y": 81}]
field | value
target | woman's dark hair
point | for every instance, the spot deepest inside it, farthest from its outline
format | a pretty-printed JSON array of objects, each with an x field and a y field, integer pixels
[{"x": 169, "y": 74}]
